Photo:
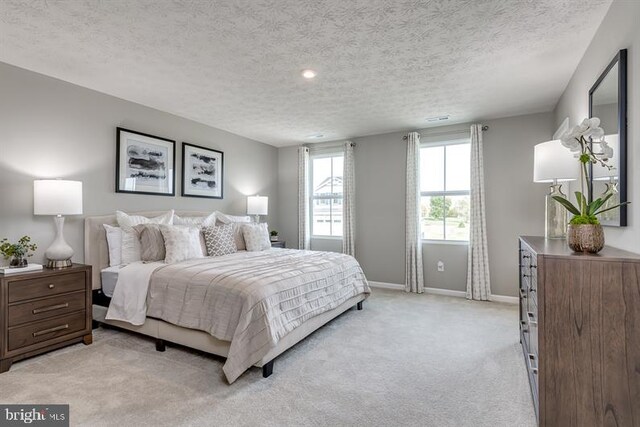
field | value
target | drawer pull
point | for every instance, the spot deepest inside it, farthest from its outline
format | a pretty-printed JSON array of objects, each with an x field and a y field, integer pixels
[
  {"x": 51, "y": 286},
  {"x": 532, "y": 289},
  {"x": 50, "y": 330},
  {"x": 532, "y": 318},
  {"x": 523, "y": 295},
  {"x": 524, "y": 326},
  {"x": 50, "y": 308},
  {"x": 533, "y": 266},
  {"x": 532, "y": 358},
  {"x": 526, "y": 256}
]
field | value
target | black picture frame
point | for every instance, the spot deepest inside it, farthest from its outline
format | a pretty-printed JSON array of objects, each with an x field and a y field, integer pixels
[
  {"x": 621, "y": 60},
  {"x": 165, "y": 176},
  {"x": 214, "y": 189}
]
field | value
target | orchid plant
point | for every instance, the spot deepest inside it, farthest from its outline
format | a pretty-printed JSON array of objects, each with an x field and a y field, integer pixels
[{"x": 587, "y": 141}]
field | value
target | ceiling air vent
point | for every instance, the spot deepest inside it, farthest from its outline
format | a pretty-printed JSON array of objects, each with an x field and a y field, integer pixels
[{"x": 436, "y": 119}]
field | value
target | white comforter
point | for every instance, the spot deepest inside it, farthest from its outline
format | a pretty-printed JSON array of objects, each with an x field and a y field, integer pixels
[{"x": 252, "y": 299}]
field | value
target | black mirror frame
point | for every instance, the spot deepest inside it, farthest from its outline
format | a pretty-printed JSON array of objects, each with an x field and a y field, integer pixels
[{"x": 621, "y": 60}]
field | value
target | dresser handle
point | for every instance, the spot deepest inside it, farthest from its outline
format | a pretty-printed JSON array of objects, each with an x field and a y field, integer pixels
[
  {"x": 524, "y": 326},
  {"x": 48, "y": 331},
  {"x": 532, "y": 320},
  {"x": 532, "y": 289},
  {"x": 533, "y": 266},
  {"x": 526, "y": 256},
  {"x": 51, "y": 286},
  {"x": 523, "y": 295},
  {"x": 50, "y": 308},
  {"x": 533, "y": 370}
]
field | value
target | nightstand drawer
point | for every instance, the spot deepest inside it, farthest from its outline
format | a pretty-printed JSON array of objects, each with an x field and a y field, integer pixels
[
  {"x": 44, "y": 286},
  {"x": 44, "y": 308},
  {"x": 45, "y": 330}
]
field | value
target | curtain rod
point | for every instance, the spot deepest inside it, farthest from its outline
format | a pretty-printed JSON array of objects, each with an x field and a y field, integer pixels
[
  {"x": 449, "y": 132},
  {"x": 331, "y": 144}
]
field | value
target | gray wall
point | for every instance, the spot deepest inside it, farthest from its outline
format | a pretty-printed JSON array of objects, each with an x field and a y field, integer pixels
[
  {"x": 53, "y": 129},
  {"x": 515, "y": 205},
  {"x": 619, "y": 30}
]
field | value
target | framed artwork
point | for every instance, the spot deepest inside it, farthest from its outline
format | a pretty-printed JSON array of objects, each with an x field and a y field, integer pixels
[
  {"x": 202, "y": 171},
  {"x": 145, "y": 164}
]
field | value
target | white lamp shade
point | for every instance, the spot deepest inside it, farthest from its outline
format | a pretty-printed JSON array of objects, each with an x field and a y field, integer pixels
[
  {"x": 257, "y": 205},
  {"x": 552, "y": 161},
  {"x": 57, "y": 197},
  {"x": 601, "y": 173}
]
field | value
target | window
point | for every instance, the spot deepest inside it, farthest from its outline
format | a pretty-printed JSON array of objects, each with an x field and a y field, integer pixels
[
  {"x": 444, "y": 191},
  {"x": 326, "y": 195}
]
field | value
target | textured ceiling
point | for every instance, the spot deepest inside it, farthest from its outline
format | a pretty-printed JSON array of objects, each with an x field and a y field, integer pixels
[{"x": 383, "y": 65}]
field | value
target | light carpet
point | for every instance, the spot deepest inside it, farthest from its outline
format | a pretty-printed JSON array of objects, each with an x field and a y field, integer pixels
[{"x": 406, "y": 359}]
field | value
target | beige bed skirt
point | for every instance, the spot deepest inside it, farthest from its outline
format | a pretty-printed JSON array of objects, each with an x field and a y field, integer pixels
[{"x": 200, "y": 340}]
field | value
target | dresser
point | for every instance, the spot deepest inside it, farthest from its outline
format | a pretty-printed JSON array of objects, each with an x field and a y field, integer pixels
[
  {"x": 43, "y": 311},
  {"x": 580, "y": 333}
]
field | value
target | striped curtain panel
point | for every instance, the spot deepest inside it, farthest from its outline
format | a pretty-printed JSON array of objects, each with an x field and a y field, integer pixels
[
  {"x": 413, "y": 264},
  {"x": 304, "y": 238},
  {"x": 348, "y": 202},
  {"x": 478, "y": 280}
]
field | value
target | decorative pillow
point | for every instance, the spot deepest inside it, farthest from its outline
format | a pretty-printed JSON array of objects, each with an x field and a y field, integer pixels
[
  {"x": 130, "y": 241},
  {"x": 237, "y": 221},
  {"x": 181, "y": 243},
  {"x": 114, "y": 243},
  {"x": 220, "y": 240},
  {"x": 195, "y": 221},
  {"x": 256, "y": 236},
  {"x": 151, "y": 242}
]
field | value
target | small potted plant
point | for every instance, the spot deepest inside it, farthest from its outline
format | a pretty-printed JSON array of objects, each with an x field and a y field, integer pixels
[
  {"x": 18, "y": 252},
  {"x": 274, "y": 236},
  {"x": 587, "y": 141}
]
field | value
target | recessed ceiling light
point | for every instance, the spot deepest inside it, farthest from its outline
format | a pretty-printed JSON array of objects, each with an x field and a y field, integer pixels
[
  {"x": 308, "y": 74},
  {"x": 436, "y": 118}
]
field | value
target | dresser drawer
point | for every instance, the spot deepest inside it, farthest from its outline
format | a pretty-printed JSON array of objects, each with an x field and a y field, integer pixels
[
  {"x": 20, "y": 290},
  {"x": 44, "y": 330},
  {"x": 44, "y": 308}
]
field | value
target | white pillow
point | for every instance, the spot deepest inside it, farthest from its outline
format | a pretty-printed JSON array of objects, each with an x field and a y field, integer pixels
[
  {"x": 114, "y": 243},
  {"x": 130, "y": 240},
  {"x": 196, "y": 221},
  {"x": 237, "y": 222},
  {"x": 256, "y": 236},
  {"x": 181, "y": 243}
]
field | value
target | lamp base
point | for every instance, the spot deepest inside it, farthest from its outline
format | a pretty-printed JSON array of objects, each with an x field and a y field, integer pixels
[
  {"x": 555, "y": 214},
  {"x": 59, "y": 263}
]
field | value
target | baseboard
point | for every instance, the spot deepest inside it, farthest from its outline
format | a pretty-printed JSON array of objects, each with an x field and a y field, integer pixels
[
  {"x": 385, "y": 285},
  {"x": 446, "y": 292}
]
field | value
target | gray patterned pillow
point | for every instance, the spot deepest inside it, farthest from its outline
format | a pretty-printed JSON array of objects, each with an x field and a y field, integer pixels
[
  {"x": 220, "y": 240},
  {"x": 181, "y": 243},
  {"x": 151, "y": 242},
  {"x": 256, "y": 236}
]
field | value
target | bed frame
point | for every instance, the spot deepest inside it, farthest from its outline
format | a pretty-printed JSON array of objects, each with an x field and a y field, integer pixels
[{"x": 96, "y": 253}]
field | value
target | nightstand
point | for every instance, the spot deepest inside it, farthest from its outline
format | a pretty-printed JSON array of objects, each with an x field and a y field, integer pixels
[
  {"x": 42, "y": 311},
  {"x": 278, "y": 244}
]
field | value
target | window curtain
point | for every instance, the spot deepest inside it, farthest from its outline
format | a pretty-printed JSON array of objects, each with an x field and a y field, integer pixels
[
  {"x": 478, "y": 280},
  {"x": 413, "y": 263},
  {"x": 304, "y": 238},
  {"x": 348, "y": 202}
]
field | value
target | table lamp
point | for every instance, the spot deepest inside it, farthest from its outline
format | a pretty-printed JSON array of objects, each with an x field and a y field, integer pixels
[
  {"x": 553, "y": 163},
  {"x": 257, "y": 205},
  {"x": 57, "y": 197}
]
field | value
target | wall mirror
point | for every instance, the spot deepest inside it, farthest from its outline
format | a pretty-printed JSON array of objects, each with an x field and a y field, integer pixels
[{"x": 608, "y": 102}]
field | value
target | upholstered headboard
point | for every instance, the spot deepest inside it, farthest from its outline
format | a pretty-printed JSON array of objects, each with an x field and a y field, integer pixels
[{"x": 96, "y": 251}]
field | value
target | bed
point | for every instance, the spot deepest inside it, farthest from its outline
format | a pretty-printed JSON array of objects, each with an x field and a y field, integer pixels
[{"x": 248, "y": 307}]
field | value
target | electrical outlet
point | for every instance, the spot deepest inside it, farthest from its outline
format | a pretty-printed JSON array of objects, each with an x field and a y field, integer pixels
[{"x": 440, "y": 266}]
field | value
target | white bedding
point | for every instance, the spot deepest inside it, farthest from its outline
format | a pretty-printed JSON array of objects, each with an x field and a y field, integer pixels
[
  {"x": 109, "y": 278},
  {"x": 129, "y": 299}
]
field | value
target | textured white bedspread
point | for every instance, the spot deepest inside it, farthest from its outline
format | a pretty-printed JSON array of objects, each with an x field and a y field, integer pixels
[{"x": 252, "y": 299}]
